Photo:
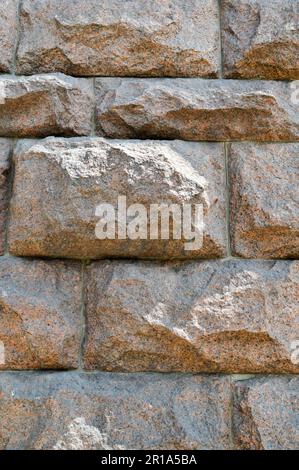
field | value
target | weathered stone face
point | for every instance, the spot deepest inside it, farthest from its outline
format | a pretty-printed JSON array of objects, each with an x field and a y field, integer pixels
[
  {"x": 266, "y": 413},
  {"x": 260, "y": 39},
  {"x": 112, "y": 37},
  {"x": 265, "y": 200},
  {"x": 121, "y": 121},
  {"x": 42, "y": 105},
  {"x": 109, "y": 411},
  {"x": 4, "y": 169},
  {"x": 8, "y": 34},
  {"x": 40, "y": 319},
  {"x": 71, "y": 177},
  {"x": 194, "y": 109},
  {"x": 232, "y": 316}
]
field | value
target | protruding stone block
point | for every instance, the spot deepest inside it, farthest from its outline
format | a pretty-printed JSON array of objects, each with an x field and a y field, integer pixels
[
  {"x": 265, "y": 413},
  {"x": 117, "y": 38},
  {"x": 44, "y": 105},
  {"x": 264, "y": 203},
  {"x": 213, "y": 316},
  {"x": 79, "y": 411},
  {"x": 195, "y": 109},
  {"x": 72, "y": 177},
  {"x": 8, "y": 34},
  {"x": 260, "y": 39},
  {"x": 40, "y": 314}
]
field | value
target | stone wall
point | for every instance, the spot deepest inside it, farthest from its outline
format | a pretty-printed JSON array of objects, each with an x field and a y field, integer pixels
[{"x": 133, "y": 343}]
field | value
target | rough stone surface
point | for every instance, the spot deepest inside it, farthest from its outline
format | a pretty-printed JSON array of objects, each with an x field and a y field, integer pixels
[
  {"x": 40, "y": 318},
  {"x": 195, "y": 109},
  {"x": 266, "y": 413},
  {"x": 113, "y": 37},
  {"x": 102, "y": 353},
  {"x": 4, "y": 169},
  {"x": 260, "y": 38},
  {"x": 109, "y": 411},
  {"x": 43, "y": 105},
  {"x": 8, "y": 34},
  {"x": 213, "y": 316},
  {"x": 71, "y": 177},
  {"x": 265, "y": 200}
]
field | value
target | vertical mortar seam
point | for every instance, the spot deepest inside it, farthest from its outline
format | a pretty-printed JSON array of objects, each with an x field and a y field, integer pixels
[
  {"x": 18, "y": 37},
  {"x": 232, "y": 438},
  {"x": 220, "y": 39},
  {"x": 9, "y": 192},
  {"x": 93, "y": 131},
  {"x": 227, "y": 197},
  {"x": 83, "y": 315}
]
